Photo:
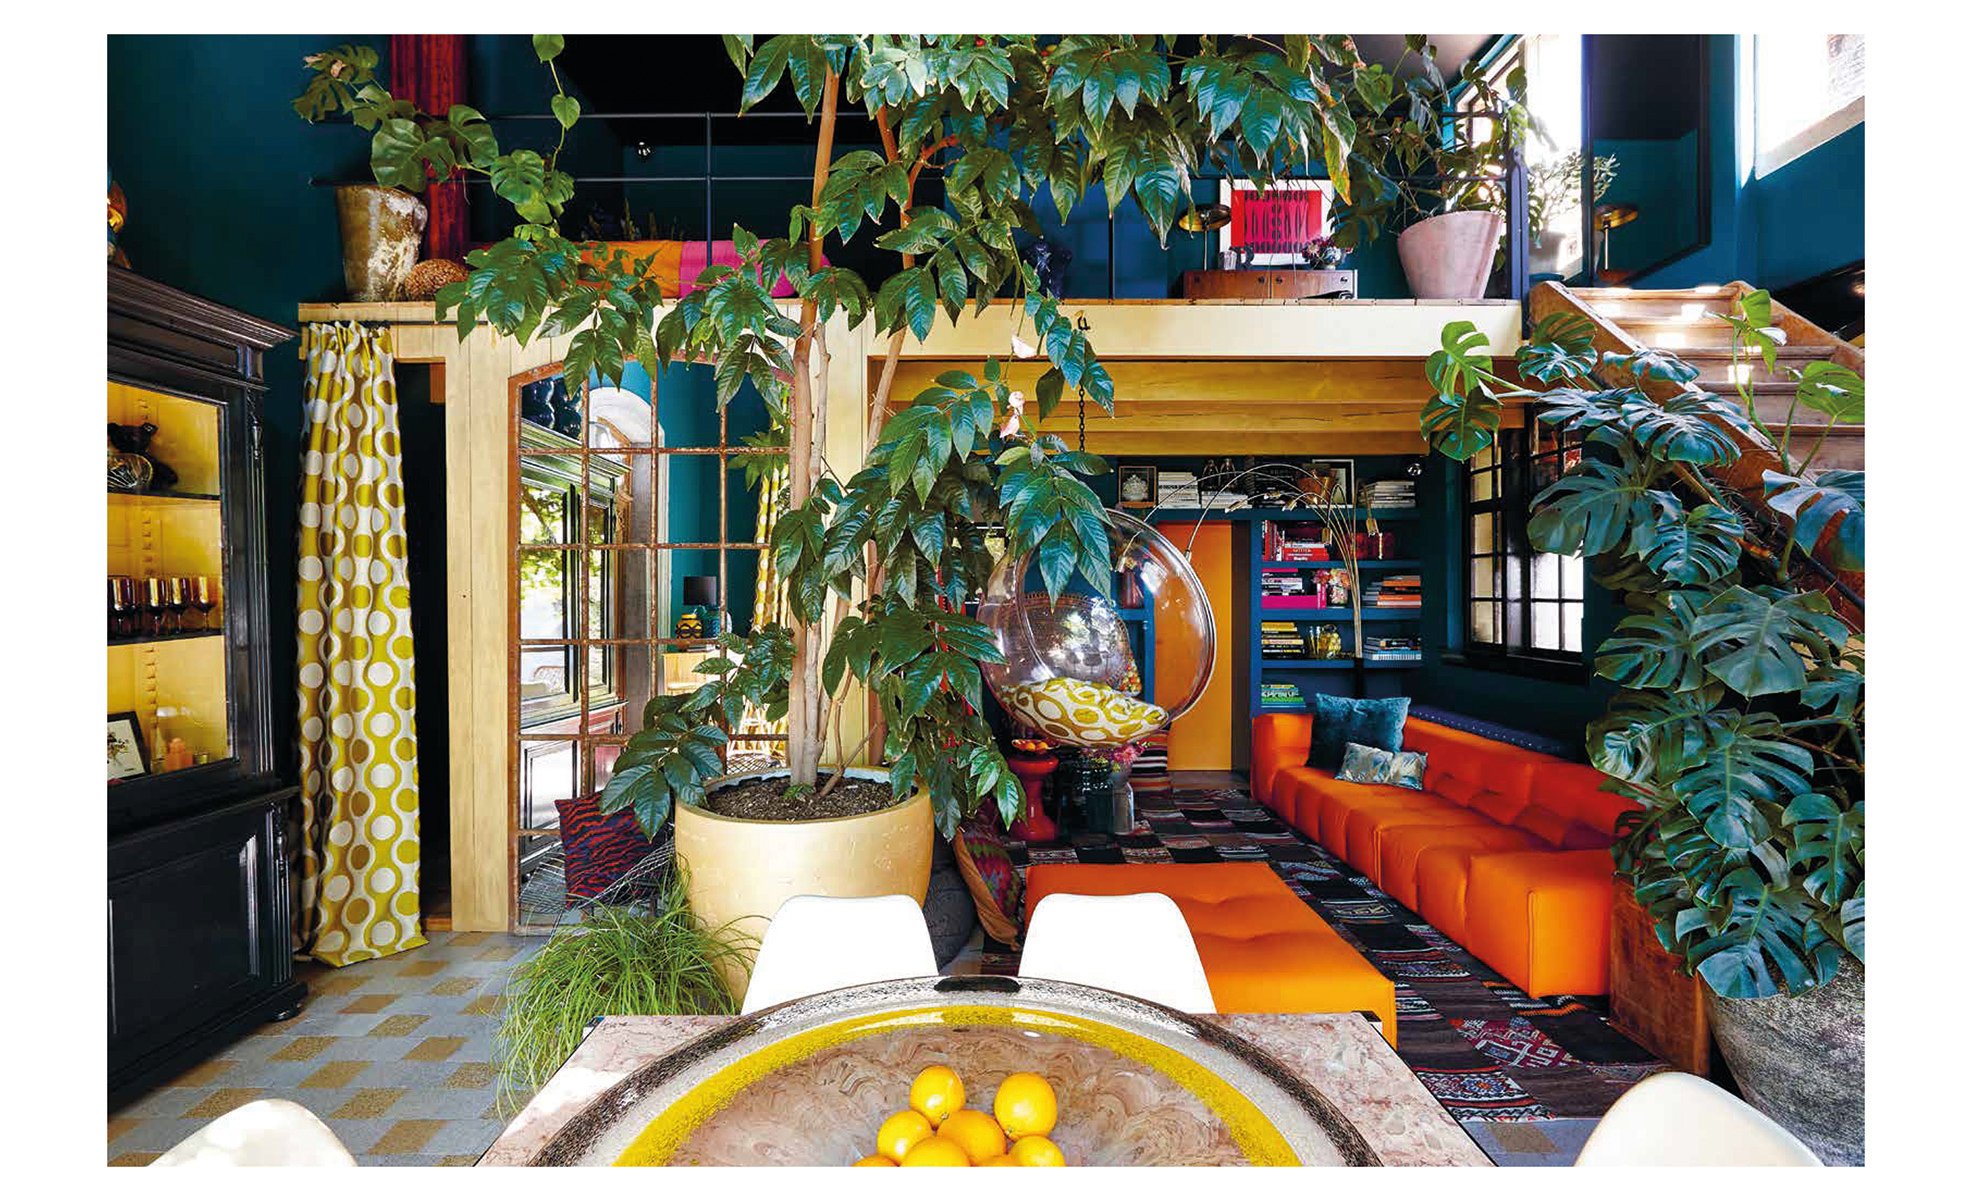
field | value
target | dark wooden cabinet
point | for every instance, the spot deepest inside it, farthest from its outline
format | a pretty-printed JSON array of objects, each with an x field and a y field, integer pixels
[{"x": 198, "y": 892}]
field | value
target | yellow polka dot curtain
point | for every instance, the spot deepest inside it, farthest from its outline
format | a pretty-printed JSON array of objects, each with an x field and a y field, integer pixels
[{"x": 359, "y": 741}]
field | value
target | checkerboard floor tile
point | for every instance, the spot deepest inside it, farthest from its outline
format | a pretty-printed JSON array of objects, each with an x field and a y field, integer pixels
[{"x": 395, "y": 1054}]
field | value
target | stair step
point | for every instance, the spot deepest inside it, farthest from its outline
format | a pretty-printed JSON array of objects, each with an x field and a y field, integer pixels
[
  {"x": 1598, "y": 295},
  {"x": 1760, "y": 385},
  {"x": 1647, "y": 306},
  {"x": 1789, "y": 354},
  {"x": 1773, "y": 410},
  {"x": 1674, "y": 334}
]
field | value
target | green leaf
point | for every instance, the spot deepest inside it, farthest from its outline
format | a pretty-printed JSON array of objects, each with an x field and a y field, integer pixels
[
  {"x": 548, "y": 46},
  {"x": 566, "y": 109},
  {"x": 1828, "y": 845},
  {"x": 1834, "y": 498},
  {"x": 1835, "y": 390},
  {"x": 1460, "y": 363},
  {"x": 1761, "y": 643},
  {"x": 1460, "y": 426},
  {"x": 1593, "y": 508},
  {"x": 1655, "y": 648},
  {"x": 1698, "y": 546}
]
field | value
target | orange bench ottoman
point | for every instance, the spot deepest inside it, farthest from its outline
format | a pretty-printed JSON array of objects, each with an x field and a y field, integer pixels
[{"x": 1263, "y": 948}]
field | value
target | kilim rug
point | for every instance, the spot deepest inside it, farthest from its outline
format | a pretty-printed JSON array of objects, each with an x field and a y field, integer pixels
[{"x": 1486, "y": 1050}]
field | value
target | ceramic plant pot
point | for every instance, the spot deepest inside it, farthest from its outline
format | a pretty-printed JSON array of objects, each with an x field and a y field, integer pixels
[
  {"x": 948, "y": 909},
  {"x": 1450, "y": 256},
  {"x": 1799, "y": 1059},
  {"x": 738, "y": 872},
  {"x": 382, "y": 228}
]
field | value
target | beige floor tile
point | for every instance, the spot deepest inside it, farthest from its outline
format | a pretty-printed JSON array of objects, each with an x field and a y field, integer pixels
[
  {"x": 485, "y": 1006},
  {"x": 136, "y": 1158},
  {"x": 1517, "y": 1138},
  {"x": 472, "y": 1075},
  {"x": 422, "y": 966},
  {"x": 458, "y": 1160},
  {"x": 401, "y": 1025},
  {"x": 406, "y": 1137},
  {"x": 458, "y": 985},
  {"x": 370, "y": 1002},
  {"x": 369, "y": 1103},
  {"x": 435, "y": 1049},
  {"x": 122, "y": 1125},
  {"x": 336, "y": 983},
  {"x": 222, "y": 1101},
  {"x": 302, "y": 1049},
  {"x": 338, "y": 1074}
]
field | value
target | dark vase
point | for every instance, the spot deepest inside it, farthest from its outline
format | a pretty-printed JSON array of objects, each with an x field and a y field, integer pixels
[
  {"x": 1799, "y": 1059},
  {"x": 948, "y": 909}
]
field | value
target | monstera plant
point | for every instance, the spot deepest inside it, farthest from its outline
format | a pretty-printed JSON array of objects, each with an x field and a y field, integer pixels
[
  {"x": 1738, "y": 729},
  {"x": 975, "y": 131}
]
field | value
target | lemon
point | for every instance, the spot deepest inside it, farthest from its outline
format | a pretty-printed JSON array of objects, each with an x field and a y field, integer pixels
[
  {"x": 977, "y": 1132},
  {"x": 1004, "y": 1160},
  {"x": 875, "y": 1160},
  {"x": 1036, "y": 1151},
  {"x": 937, "y": 1093},
  {"x": 901, "y": 1131},
  {"x": 1025, "y": 1105},
  {"x": 937, "y": 1151}
]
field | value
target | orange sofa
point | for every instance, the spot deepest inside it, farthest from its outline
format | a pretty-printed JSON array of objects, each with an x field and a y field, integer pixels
[
  {"x": 1264, "y": 950},
  {"x": 1506, "y": 850}
]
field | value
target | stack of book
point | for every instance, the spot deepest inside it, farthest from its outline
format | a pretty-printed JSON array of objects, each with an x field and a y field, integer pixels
[
  {"x": 1400, "y": 649},
  {"x": 1277, "y": 695},
  {"x": 1283, "y": 583},
  {"x": 1282, "y": 639},
  {"x": 1181, "y": 489},
  {"x": 1391, "y": 493},
  {"x": 1298, "y": 542},
  {"x": 1395, "y": 591}
]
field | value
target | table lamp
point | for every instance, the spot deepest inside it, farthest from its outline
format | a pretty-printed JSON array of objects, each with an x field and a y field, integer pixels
[{"x": 701, "y": 615}]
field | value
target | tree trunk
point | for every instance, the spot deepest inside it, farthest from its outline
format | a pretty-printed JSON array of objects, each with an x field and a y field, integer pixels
[{"x": 807, "y": 423}]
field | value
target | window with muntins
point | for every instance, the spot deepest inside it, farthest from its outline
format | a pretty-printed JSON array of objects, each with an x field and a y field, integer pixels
[{"x": 1520, "y": 603}]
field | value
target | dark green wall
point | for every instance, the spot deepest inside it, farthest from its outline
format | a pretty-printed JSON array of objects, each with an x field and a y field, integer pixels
[{"x": 216, "y": 166}]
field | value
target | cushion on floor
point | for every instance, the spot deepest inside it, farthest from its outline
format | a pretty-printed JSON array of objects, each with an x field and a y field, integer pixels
[{"x": 1263, "y": 948}]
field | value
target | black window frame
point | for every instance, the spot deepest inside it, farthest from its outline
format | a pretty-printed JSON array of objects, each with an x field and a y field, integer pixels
[{"x": 1523, "y": 461}]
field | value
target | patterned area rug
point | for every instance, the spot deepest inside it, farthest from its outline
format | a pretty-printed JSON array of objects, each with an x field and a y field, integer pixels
[{"x": 1485, "y": 1049}]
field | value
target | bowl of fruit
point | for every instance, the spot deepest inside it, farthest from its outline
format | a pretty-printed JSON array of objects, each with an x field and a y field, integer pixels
[{"x": 961, "y": 1072}]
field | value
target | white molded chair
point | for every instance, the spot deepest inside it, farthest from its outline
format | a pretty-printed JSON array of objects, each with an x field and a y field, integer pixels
[
  {"x": 264, "y": 1133},
  {"x": 1677, "y": 1120},
  {"x": 820, "y": 943},
  {"x": 1138, "y": 945}
]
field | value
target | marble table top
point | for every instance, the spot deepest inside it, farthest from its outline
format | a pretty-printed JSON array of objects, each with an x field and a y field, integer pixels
[{"x": 1338, "y": 1054}]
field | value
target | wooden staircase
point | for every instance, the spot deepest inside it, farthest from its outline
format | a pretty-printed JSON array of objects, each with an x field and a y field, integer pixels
[{"x": 1681, "y": 321}]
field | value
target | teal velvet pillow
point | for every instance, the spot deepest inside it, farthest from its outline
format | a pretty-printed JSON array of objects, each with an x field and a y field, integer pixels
[
  {"x": 1366, "y": 764},
  {"x": 1340, "y": 720}
]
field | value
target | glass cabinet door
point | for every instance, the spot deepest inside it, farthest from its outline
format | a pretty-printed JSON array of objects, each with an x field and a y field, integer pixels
[{"x": 166, "y": 593}]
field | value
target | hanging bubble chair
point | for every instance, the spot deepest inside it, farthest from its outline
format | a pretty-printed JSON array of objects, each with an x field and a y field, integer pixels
[{"x": 1102, "y": 672}]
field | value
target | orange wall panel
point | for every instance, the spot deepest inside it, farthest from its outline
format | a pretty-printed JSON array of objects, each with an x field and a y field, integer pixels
[{"x": 1201, "y": 740}]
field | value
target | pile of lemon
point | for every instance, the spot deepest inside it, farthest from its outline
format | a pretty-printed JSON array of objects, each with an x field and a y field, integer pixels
[{"x": 938, "y": 1130}]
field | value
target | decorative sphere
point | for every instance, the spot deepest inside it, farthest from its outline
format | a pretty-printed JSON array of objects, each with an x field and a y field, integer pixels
[{"x": 1102, "y": 671}]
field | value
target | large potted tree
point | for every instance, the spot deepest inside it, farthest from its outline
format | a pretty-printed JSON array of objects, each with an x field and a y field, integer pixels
[
  {"x": 1739, "y": 729},
  {"x": 880, "y": 566}
]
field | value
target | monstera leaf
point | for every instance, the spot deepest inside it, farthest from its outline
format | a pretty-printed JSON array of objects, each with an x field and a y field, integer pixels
[
  {"x": 1833, "y": 498},
  {"x": 1650, "y": 737},
  {"x": 1689, "y": 547},
  {"x": 1759, "y": 927},
  {"x": 1460, "y": 426},
  {"x": 1835, "y": 390},
  {"x": 1827, "y": 844},
  {"x": 1745, "y": 775},
  {"x": 1684, "y": 428},
  {"x": 1760, "y": 643},
  {"x": 1594, "y": 507},
  {"x": 1656, "y": 648},
  {"x": 1583, "y": 410},
  {"x": 1461, "y": 362},
  {"x": 1650, "y": 364},
  {"x": 1561, "y": 346}
]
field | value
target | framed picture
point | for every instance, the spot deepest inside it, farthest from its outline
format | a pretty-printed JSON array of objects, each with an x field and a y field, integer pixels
[
  {"x": 1275, "y": 226},
  {"x": 127, "y": 757},
  {"x": 1332, "y": 480},
  {"x": 1136, "y": 485}
]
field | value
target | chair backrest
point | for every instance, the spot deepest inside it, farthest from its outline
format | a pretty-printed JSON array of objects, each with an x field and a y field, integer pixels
[
  {"x": 1676, "y": 1120},
  {"x": 821, "y": 943},
  {"x": 1138, "y": 945},
  {"x": 263, "y": 1133}
]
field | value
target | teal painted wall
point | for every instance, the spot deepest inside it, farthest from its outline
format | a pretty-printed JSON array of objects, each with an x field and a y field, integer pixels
[
  {"x": 215, "y": 166},
  {"x": 1790, "y": 225}
]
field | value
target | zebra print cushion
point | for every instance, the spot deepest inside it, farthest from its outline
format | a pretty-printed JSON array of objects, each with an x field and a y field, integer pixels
[{"x": 599, "y": 848}]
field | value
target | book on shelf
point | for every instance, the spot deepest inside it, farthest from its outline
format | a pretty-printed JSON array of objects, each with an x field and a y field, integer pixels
[
  {"x": 1294, "y": 541},
  {"x": 1389, "y": 493},
  {"x": 1182, "y": 489},
  {"x": 1279, "y": 694}
]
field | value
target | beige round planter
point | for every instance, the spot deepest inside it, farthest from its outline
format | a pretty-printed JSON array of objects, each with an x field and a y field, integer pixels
[
  {"x": 1450, "y": 256},
  {"x": 738, "y": 872},
  {"x": 382, "y": 228}
]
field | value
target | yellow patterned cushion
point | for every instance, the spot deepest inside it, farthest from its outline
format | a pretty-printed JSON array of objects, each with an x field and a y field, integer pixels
[{"x": 1084, "y": 714}]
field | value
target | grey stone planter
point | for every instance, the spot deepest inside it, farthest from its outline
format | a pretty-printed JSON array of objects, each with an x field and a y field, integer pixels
[{"x": 1799, "y": 1059}]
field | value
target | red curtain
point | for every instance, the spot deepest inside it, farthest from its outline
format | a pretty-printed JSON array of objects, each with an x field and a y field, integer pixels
[{"x": 429, "y": 70}]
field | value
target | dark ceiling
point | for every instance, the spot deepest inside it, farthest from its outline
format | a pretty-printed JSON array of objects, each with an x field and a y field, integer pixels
[{"x": 690, "y": 73}]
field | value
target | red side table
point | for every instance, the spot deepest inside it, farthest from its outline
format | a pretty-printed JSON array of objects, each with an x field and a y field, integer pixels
[{"x": 1034, "y": 825}]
